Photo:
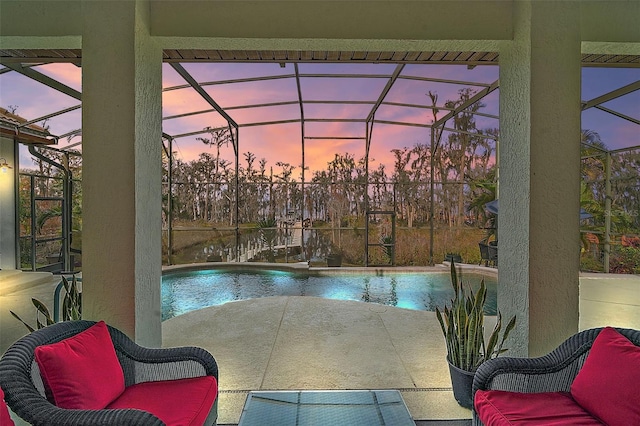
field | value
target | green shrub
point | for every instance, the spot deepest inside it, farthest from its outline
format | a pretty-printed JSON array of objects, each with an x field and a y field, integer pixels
[
  {"x": 625, "y": 260},
  {"x": 71, "y": 307}
]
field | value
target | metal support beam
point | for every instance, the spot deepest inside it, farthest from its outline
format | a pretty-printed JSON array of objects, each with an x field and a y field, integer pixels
[
  {"x": 238, "y": 80},
  {"x": 336, "y": 137},
  {"x": 428, "y": 126},
  {"x": 71, "y": 133},
  {"x": 607, "y": 212},
  {"x": 442, "y": 108},
  {"x": 169, "y": 198},
  {"x": 53, "y": 114},
  {"x": 368, "y": 136},
  {"x": 265, "y": 123},
  {"x": 385, "y": 91},
  {"x": 46, "y": 80},
  {"x": 328, "y": 102},
  {"x": 345, "y": 102},
  {"x": 331, "y": 120},
  {"x": 618, "y": 114},
  {"x": 301, "y": 105},
  {"x": 194, "y": 84},
  {"x": 612, "y": 95},
  {"x": 441, "y": 80},
  {"x": 336, "y": 120},
  {"x": 3, "y": 61},
  {"x": 236, "y": 147},
  {"x": 335, "y": 75},
  {"x": 631, "y": 148},
  {"x": 207, "y": 111},
  {"x": 472, "y": 100},
  {"x": 66, "y": 148},
  {"x": 302, "y": 145}
]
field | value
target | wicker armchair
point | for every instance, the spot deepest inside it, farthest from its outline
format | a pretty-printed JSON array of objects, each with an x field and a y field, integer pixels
[
  {"x": 25, "y": 392},
  {"x": 553, "y": 372}
]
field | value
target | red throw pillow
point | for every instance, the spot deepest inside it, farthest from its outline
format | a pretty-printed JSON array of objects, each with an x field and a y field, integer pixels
[
  {"x": 5, "y": 418},
  {"x": 608, "y": 385},
  {"x": 83, "y": 371}
]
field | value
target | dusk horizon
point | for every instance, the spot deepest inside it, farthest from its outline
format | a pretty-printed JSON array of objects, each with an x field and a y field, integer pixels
[{"x": 335, "y": 107}]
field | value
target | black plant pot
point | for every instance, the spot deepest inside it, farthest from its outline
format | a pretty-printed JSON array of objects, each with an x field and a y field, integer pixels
[
  {"x": 462, "y": 382},
  {"x": 334, "y": 260}
]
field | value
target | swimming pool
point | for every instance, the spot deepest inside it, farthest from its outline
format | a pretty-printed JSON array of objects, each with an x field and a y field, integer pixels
[{"x": 185, "y": 291}]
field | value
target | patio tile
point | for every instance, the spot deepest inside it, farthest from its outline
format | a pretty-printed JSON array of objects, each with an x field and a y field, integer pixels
[
  {"x": 241, "y": 336},
  {"x": 324, "y": 344}
]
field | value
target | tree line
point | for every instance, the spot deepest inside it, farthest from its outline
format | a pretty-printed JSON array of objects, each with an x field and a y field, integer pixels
[{"x": 204, "y": 189}]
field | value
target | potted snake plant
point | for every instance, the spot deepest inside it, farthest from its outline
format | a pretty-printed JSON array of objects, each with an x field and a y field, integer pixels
[
  {"x": 70, "y": 310},
  {"x": 462, "y": 325}
]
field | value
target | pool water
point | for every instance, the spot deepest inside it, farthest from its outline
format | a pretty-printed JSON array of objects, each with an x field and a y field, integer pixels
[{"x": 186, "y": 291}]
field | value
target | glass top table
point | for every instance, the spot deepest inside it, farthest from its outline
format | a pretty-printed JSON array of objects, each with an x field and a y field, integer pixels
[{"x": 326, "y": 408}]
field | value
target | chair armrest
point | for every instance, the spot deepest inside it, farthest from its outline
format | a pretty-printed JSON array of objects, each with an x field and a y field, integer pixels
[
  {"x": 545, "y": 374},
  {"x": 141, "y": 364},
  {"x": 553, "y": 372}
]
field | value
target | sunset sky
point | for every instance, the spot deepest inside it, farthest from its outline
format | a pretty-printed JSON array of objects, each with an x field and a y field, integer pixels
[{"x": 282, "y": 142}]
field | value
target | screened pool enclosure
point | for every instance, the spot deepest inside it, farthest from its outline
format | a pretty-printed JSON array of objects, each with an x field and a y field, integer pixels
[{"x": 387, "y": 161}]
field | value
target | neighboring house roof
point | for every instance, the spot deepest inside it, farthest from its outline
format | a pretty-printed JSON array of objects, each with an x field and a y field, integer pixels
[{"x": 18, "y": 128}]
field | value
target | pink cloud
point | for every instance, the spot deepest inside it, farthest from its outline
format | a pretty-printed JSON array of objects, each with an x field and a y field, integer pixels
[
  {"x": 182, "y": 101},
  {"x": 68, "y": 74},
  {"x": 282, "y": 142},
  {"x": 32, "y": 100}
]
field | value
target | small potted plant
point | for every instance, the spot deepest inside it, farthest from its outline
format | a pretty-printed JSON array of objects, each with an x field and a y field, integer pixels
[
  {"x": 453, "y": 257},
  {"x": 334, "y": 258},
  {"x": 71, "y": 308},
  {"x": 462, "y": 325}
]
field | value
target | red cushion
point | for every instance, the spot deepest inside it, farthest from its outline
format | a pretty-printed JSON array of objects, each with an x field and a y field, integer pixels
[
  {"x": 180, "y": 402},
  {"x": 608, "y": 384},
  {"x": 5, "y": 418},
  {"x": 82, "y": 371},
  {"x": 501, "y": 408}
]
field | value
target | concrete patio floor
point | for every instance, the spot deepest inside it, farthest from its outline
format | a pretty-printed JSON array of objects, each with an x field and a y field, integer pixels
[
  {"x": 312, "y": 343},
  {"x": 298, "y": 342}
]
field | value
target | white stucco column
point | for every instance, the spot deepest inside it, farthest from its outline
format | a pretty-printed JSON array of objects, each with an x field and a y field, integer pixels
[
  {"x": 121, "y": 135},
  {"x": 540, "y": 175},
  {"x": 7, "y": 206}
]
